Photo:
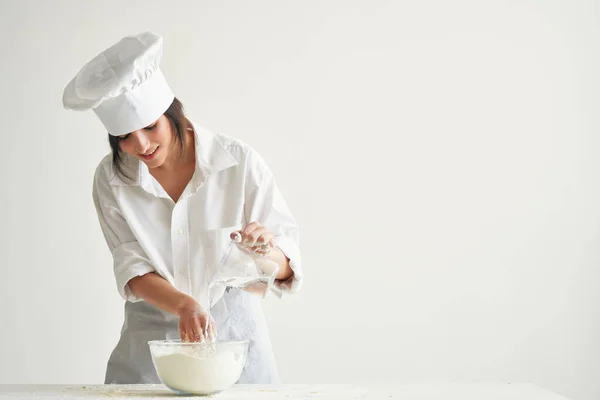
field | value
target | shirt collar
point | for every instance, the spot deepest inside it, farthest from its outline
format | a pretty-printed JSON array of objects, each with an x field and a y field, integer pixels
[{"x": 211, "y": 157}]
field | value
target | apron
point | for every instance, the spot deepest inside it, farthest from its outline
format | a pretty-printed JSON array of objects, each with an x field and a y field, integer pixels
[{"x": 238, "y": 316}]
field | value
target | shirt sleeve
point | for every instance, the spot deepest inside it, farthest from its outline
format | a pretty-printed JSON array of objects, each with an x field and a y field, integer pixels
[
  {"x": 129, "y": 259},
  {"x": 265, "y": 204}
]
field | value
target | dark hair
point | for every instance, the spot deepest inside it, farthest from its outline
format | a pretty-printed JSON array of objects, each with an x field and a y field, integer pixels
[{"x": 179, "y": 123}]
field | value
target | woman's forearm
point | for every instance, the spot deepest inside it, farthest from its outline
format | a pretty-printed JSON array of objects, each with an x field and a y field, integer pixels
[
  {"x": 285, "y": 271},
  {"x": 195, "y": 324},
  {"x": 156, "y": 290}
]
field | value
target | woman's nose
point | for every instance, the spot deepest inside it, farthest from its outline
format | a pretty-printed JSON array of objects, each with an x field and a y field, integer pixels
[{"x": 141, "y": 142}]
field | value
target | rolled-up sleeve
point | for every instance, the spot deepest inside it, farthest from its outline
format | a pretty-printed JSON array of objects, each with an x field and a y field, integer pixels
[
  {"x": 265, "y": 204},
  {"x": 129, "y": 259}
]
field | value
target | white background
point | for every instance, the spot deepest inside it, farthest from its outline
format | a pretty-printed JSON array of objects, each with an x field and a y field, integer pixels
[{"x": 439, "y": 156}]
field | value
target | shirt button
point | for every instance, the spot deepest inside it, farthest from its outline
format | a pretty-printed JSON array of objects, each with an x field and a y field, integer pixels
[
  {"x": 182, "y": 270},
  {"x": 180, "y": 231}
]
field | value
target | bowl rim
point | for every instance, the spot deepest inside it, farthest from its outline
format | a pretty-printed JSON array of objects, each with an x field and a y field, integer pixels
[{"x": 178, "y": 343}]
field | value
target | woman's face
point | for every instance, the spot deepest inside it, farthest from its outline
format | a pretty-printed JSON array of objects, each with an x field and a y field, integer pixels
[{"x": 151, "y": 144}]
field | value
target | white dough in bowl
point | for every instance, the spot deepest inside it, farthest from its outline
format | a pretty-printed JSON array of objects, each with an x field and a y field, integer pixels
[{"x": 195, "y": 374}]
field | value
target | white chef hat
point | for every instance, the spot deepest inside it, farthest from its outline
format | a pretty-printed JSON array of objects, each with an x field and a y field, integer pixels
[{"x": 123, "y": 85}]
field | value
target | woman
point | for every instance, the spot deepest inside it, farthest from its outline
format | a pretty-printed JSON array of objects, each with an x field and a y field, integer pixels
[{"x": 168, "y": 198}]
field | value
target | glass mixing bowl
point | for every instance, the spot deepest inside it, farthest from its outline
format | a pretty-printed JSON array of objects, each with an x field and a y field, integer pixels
[{"x": 198, "y": 368}]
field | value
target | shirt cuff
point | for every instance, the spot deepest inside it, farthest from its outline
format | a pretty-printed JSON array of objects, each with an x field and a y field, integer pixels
[
  {"x": 128, "y": 264},
  {"x": 293, "y": 283}
]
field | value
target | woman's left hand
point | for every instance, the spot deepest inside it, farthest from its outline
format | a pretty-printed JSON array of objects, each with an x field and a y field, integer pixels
[{"x": 256, "y": 238}]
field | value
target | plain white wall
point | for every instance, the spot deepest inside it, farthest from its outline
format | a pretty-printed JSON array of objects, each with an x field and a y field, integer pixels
[{"x": 440, "y": 158}]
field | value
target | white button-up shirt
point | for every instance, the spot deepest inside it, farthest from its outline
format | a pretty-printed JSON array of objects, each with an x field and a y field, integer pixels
[{"x": 183, "y": 242}]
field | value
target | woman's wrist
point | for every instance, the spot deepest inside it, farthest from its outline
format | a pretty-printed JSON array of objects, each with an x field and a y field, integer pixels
[{"x": 186, "y": 304}]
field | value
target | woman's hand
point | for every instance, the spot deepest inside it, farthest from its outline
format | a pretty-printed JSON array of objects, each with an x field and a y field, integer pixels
[
  {"x": 195, "y": 324},
  {"x": 256, "y": 238}
]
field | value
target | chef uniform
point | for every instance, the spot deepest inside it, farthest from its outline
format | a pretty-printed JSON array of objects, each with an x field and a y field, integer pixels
[{"x": 146, "y": 231}]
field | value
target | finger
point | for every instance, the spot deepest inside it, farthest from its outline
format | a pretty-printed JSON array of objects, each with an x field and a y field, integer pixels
[
  {"x": 250, "y": 227},
  {"x": 263, "y": 251},
  {"x": 265, "y": 238},
  {"x": 206, "y": 328},
  {"x": 251, "y": 238},
  {"x": 189, "y": 330},
  {"x": 236, "y": 235},
  {"x": 202, "y": 330},
  {"x": 209, "y": 329},
  {"x": 184, "y": 335},
  {"x": 182, "y": 331},
  {"x": 189, "y": 333},
  {"x": 213, "y": 331},
  {"x": 196, "y": 328}
]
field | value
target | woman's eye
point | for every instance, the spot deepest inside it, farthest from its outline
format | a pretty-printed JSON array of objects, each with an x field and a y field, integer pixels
[
  {"x": 124, "y": 137},
  {"x": 149, "y": 128}
]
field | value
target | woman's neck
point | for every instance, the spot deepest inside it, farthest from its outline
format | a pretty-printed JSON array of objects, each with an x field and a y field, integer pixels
[{"x": 174, "y": 161}]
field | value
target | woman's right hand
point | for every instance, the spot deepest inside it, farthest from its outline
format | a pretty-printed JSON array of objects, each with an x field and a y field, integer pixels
[{"x": 195, "y": 324}]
